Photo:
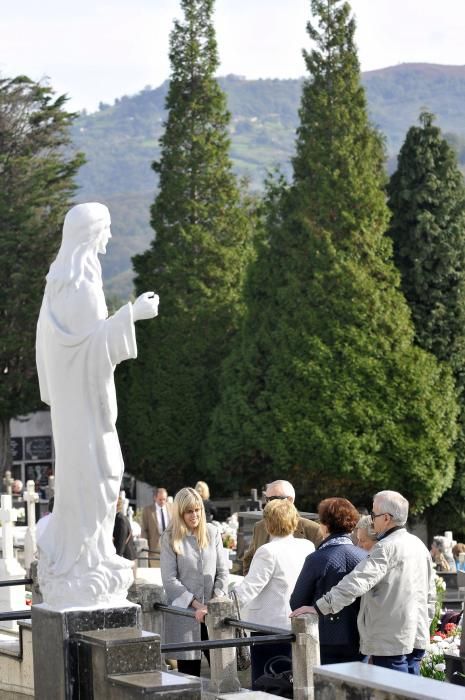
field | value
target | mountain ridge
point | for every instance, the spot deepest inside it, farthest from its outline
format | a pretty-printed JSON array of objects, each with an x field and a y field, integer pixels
[{"x": 121, "y": 140}]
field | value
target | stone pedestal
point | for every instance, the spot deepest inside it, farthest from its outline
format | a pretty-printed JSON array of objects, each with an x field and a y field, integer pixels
[
  {"x": 223, "y": 667},
  {"x": 305, "y": 655},
  {"x": 157, "y": 685},
  {"x": 147, "y": 595},
  {"x": 347, "y": 681},
  {"x": 55, "y": 644},
  {"x": 114, "y": 652}
]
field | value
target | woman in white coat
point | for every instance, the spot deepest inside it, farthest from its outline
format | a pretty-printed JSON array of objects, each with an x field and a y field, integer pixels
[
  {"x": 193, "y": 570},
  {"x": 264, "y": 593}
]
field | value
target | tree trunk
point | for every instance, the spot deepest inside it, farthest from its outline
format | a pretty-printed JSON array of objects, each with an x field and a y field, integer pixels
[{"x": 5, "y": 447}]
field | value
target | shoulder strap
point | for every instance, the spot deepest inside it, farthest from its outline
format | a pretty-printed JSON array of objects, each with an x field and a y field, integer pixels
[{"x": 233, "y": 595}]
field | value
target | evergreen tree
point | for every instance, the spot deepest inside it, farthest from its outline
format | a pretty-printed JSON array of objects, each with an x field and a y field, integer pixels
[
  {"x": 427, "y": 200},
  {"x": 36, "y": 185},
  {"x": 325, "y": 385},
  {"x": 195, "y": 263}
]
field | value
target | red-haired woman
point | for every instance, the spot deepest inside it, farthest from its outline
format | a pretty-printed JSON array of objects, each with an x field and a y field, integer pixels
[{"x": 323, "y": 569}]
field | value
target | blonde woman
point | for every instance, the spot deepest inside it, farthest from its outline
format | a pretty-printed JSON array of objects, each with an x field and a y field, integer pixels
[
  {"x": 210, "y": 511},
  {"x": 193, "y": 570},
  {"x": 264, "y": 593}
]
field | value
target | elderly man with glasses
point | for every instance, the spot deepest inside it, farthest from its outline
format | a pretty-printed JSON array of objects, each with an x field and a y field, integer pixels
[
  {"x": 395, "y": 584},
  {"x": 306, "y": 529}
]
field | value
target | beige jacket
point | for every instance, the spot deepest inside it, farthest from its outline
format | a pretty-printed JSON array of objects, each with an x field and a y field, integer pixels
[
  {"x": 397, "y": 590},
  {"x": 149, "y": 526},
  {"x": 306, "y": 529}
]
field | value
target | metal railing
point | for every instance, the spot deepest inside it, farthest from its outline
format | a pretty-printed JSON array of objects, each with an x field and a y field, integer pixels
[
  {"x": 152, "y": 555},
  {"x": 269, "y": 635},
  {"x": 16, "y": 582},
  {"x": 16, "y": 614}
]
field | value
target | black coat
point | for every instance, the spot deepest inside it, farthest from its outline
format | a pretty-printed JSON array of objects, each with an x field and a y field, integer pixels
[
  {"x": 210, "y": 510},
  {"x": 335, "y": 557},
  {"x": 122, "y": 537}
]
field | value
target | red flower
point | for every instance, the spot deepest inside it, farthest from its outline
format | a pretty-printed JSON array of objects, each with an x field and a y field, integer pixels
[{"x": 450, "y": 628}]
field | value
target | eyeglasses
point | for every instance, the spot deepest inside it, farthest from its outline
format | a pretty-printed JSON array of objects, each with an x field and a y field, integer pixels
[
  {"x": 377, "y": 515},
  {"x": 275, "y": 498}
]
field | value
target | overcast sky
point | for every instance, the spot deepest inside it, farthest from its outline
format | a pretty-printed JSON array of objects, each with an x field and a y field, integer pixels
[{"x": 98, "y": 50}]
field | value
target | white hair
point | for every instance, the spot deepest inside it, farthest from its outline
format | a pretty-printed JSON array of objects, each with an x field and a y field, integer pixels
[
  {"x": 285, "y": 486},
  {"x": 394, "y": 504},
  {"x": 365, "y": 523}
]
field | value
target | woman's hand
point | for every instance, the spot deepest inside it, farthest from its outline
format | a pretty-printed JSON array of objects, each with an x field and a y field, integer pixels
[
  {"x": 303, "y": 610},
  {"x": 200, "y": 610},
  {"x": 200, "y": 613}
]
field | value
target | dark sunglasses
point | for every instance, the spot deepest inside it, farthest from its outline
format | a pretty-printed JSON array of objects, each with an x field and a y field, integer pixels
[
  {"x": 275, "y": 498},
  {"x": 377, "y": 515}
]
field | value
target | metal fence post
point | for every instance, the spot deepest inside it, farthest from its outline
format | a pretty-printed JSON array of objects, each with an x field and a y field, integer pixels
[
  {"x": 305, "y": 655},
  {"x": 223, "y": 666}
]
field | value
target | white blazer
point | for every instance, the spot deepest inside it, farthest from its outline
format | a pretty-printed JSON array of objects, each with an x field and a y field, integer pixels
[{"x": 264, "y": 593}]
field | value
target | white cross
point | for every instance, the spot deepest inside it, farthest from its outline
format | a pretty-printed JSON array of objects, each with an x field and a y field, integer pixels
[
  {"x": 31, "y": 498},
  {"x": 8, "y": 516},
  {"x": 30, "y": 546}
]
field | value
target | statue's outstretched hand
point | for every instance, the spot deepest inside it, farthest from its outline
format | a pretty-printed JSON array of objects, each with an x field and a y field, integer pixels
[{"x": 146, "y": 306}]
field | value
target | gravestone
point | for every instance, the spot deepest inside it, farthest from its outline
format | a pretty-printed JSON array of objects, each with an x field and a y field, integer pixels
[
  {"x": 8, "y": 483},
  {"x": 30, "y": 546},
  {"x": 455, "y": 665},
  {"x": 11, "y": 597}
]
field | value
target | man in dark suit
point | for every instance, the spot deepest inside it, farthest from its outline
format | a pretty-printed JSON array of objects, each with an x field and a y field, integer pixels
[
  {"x": 306, "y": 529},
  {"x": 155, "y": 520}
]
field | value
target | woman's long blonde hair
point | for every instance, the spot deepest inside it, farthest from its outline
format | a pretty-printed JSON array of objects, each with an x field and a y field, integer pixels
[{"x": 184, "y": 500}]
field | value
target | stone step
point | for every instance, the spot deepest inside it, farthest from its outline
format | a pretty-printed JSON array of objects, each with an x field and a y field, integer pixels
[
  {"x": 121, "y": 650},
  {"x": 9, "y": 644},
  {"x": 154, "y": 685},
  {"x": 248, "y": 695}
]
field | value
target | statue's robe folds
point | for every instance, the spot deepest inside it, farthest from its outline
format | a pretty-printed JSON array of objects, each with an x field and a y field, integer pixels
[{"x": 77, "y": 350}]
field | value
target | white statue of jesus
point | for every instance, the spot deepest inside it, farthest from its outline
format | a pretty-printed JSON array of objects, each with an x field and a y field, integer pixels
[{"x": 77, "y": 349}]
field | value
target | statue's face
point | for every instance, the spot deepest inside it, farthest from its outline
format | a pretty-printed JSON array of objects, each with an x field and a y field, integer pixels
[{"x": 103, "y": 238}]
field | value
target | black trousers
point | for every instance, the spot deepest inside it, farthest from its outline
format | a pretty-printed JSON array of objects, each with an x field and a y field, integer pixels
[
  {"x": 192, "y": 666},
  {"x": 260, "y": 654},
  {"x": 339, "y": 653}
]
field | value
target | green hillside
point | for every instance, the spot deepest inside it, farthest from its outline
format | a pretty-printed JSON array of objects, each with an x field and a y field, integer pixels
[{"x": 121, "y": 140}]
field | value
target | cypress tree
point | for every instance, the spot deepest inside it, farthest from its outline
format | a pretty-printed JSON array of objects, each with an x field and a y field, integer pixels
[
  {"x": 427, "y": 200},
  {"x": 37, "y": 172},
  {"x": 325, "y": 385},
  {"x": 195, "y": 263}
]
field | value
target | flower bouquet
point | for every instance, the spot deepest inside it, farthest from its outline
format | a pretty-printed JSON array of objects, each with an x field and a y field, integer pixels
[{"x": 433, "y": 664}]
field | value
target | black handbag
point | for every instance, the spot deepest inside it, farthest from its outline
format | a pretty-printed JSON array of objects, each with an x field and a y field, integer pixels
[
  {"x": 277, "y": 677},
  {"x": 242, "y": 652}
]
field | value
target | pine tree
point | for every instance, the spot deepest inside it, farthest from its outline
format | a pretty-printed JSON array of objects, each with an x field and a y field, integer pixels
[
  {"x": 325, "y": 385},
  {"x": 36, "y": 186},
  {"x": 195, "y": 263},
  {"x": 427, "y": 200}
]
